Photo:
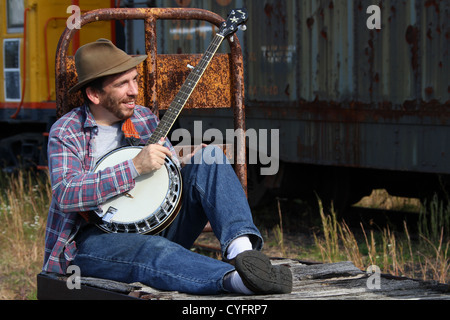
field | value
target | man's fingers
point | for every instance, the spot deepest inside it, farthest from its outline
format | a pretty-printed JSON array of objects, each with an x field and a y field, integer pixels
[
  {"x": 159, "y": 147},
  {"x": 151, "y": 158}
]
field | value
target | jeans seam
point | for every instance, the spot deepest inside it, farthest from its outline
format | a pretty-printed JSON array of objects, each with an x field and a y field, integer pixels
[{"x": 143, "y": 266}]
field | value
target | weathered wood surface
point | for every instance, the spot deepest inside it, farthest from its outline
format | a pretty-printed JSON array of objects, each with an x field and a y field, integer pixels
[
  {"x": 327, "y": 281},
  {"x": 334, "y": 281}
]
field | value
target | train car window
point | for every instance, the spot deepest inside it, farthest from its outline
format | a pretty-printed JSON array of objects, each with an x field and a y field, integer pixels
[
  {"x": 179, "y": 36},
  {"x": 193, "y": 37},
  {"x": 11, "y": 54},
  {"x": 15, "y": 10}
]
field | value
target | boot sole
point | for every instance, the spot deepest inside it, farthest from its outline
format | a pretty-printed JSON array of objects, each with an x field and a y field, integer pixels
[{"x": 260, "y": 276}]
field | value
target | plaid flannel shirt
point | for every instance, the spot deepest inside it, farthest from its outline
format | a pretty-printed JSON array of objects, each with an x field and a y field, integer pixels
[{"x": 76, "y": 188}]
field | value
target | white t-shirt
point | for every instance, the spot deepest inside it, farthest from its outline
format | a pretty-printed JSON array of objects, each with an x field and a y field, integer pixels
[{"x": 109, "y": 138}]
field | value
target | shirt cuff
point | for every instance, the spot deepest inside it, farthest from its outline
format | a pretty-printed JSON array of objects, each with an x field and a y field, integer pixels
[{"x": 134, "y": 172}]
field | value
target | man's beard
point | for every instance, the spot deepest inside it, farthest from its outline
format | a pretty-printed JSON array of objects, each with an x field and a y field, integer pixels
[{"x": 115, "y": 107}]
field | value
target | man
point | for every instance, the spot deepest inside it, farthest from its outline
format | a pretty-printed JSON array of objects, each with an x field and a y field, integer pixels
[{"x": 211, "y": 192}]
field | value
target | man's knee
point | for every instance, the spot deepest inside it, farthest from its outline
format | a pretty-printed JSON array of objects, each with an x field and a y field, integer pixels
[
  {"x": 210, "y": 155},
  {"x": 213, "y": 155}
]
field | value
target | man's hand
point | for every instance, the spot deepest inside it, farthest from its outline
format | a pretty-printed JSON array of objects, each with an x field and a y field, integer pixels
[
  {"x": 187, "y": 158},
  {"x": 151, "y": 158}
]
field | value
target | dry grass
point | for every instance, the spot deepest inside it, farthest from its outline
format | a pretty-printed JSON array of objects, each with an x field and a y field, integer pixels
[
  {"x": 24, "y": 201},
  {"x": 25, "y": 198},
  {"x": 395, "y": 253}
]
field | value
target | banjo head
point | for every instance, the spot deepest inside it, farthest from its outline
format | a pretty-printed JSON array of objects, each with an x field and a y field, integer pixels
[{"x": 150, "y": 206}]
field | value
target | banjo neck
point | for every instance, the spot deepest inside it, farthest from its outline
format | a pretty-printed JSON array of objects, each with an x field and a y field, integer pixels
[
  {"x": 172, "y": 113},
  {"x": 236, "y": 18}
]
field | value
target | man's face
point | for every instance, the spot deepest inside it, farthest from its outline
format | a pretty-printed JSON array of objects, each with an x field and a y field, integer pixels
[{"x": 118, "y": 97}]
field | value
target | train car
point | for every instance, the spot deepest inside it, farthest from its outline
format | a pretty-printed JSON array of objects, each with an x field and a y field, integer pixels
[
  {"x": 357, "y": 91},
  {"x": 29, "y": 34}
]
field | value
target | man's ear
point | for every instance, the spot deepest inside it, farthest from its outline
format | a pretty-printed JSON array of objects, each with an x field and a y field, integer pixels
[{"x": 93, "y": 95}]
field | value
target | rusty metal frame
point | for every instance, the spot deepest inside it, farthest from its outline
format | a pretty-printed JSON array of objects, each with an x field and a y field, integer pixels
[{"x": 150, "y": 16}]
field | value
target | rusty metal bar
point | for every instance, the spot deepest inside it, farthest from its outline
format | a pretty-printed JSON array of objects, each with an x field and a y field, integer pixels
[
  {"x": 150, "y": 16},
  {"x": 151, "y": 49}
]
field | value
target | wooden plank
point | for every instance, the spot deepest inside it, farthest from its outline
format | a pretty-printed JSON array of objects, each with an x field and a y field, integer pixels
[
  {"x": 333, "y": 281},
  {"x": 55, "y": 288},
  {"x": 337, "y": 281},
  {"x": 325, "y": 271}
]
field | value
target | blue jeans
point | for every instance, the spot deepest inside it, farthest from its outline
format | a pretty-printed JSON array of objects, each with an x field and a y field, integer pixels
[{"x": 211, "y": 192}]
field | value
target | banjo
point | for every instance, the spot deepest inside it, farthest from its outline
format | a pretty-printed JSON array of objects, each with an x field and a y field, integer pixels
[{"x": 155, "y": 201}]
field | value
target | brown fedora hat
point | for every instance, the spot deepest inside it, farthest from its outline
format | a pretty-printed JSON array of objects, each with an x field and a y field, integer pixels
[{"x": 101, "y": 58}]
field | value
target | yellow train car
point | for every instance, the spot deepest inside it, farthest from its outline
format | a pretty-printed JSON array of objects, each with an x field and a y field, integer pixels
[{"x": 29, "y": 34}]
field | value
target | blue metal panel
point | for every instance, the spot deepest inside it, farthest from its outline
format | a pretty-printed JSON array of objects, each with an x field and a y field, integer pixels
[{"x": 340, "y": 93}]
